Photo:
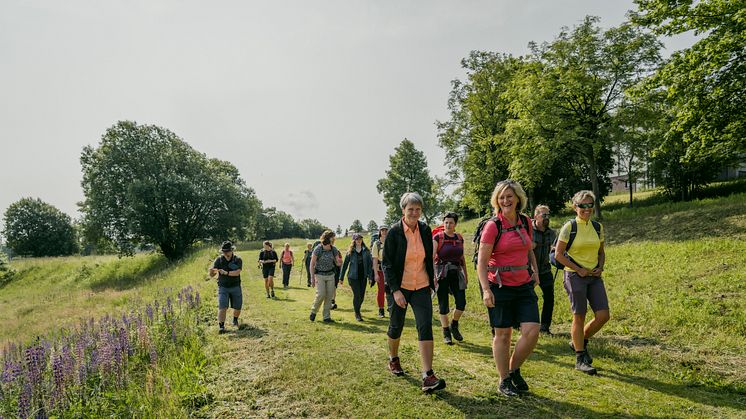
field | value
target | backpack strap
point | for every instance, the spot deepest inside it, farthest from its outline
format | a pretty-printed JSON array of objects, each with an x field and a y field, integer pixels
[{"x": 573, "y": 233}]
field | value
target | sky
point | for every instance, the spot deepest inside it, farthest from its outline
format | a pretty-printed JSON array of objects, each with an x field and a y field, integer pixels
[{"x": 308, "y": 99}]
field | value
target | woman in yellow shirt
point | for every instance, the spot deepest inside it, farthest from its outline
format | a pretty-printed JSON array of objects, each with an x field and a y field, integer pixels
[{"x": 584, "y": 262}]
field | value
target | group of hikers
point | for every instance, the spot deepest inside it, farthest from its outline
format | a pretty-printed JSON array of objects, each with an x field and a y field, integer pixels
[{"x": 411, "y": 264}]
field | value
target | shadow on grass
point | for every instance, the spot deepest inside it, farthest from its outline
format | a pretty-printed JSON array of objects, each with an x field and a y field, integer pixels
[
  {"x": 359, "y": 327},
  {"x": 124, "y": 273},
  {"x": 247, "y": 331}
]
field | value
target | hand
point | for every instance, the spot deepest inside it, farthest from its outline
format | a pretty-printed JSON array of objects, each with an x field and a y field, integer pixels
[
  {"x": 582, "y": 272},
  {"x": 399, "y": 299},
  {"x": 597, "y": 271},
  {"x": 223, "y": 272},
  {"x": 313, "y": 280},
  {"x": 535, "y": 278},
  {"x": 488, "y": 298}
]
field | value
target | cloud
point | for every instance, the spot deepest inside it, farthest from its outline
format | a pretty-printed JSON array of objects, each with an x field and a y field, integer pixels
[{"x": 301, "y": 204}]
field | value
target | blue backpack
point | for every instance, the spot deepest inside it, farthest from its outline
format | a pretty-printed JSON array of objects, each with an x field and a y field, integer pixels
[{"x": 573, "y": 233}]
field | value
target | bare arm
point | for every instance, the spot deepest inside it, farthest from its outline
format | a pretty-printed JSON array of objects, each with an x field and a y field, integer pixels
[{"x": 559, "y": 254}]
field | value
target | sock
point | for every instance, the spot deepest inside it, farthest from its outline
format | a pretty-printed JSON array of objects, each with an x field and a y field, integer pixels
[
  {"x": 393, "y": 358},
  {"x": 235, "y": 319},
  {"x": 427, "y": 374},
  {"x": 454, "y": 323}
]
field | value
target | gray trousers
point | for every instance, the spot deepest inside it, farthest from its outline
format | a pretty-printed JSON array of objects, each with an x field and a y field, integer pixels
[{"x": 325, "y": 293}]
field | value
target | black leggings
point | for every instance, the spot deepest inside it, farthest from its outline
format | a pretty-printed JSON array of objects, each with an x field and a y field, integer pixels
[
  {"x": 422, "y": 306},
  {"x": 358, "y": 292},
  {"x": 449, "y": 284},
  {"x": 286, "y": 268}
]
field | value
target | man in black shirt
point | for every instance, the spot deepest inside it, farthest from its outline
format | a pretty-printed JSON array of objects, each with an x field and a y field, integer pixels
[
  {"x": 228, "y": 268},
  {"x": 543, "y": 239}
]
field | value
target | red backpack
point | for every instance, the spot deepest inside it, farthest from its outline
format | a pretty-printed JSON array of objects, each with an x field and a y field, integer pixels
[{"x": 439, "y": 235}]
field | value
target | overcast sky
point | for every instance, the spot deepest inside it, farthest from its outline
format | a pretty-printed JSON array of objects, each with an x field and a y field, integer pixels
[{"x": 307, "y": 98}]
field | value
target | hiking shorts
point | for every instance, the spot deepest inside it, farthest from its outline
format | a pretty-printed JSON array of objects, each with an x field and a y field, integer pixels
[
  {"x": 581, "y": 289},
  {"x": 268, "y": 270},
  {"x": 422, "y": 307},
  {"x": 513, "y": 306},
  {"x": 230, "y": 296}
]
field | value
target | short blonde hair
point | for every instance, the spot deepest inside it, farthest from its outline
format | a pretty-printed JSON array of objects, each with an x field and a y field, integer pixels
[
  {"x": 581, "y": 196},
  {"x": 517, "y": 190},
  {"x": 540, "y": 207}
]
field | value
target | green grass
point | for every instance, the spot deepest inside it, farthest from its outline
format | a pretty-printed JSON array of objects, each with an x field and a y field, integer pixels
[{"x": 675, "y": 346}]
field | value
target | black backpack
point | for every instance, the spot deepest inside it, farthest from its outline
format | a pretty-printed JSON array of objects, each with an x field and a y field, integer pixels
[
  {"x": 478, "y": 232},
  {"x": 573, "y": 233}
]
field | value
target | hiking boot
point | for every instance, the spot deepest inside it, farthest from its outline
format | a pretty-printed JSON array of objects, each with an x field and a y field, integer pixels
[
  {"x": 358, "y": 317},
  {"x": 329, "y": 320},
  {"x": 447, "y": 336},
  {"x": 582, "y": 364},
  {"x": 312, "y": 317},
  {"x": 381, "y": 313},
  {"x": 544, "y": 330},
  {"x": 508, "y": 388},
  {"x": 587, "y": 355},
  {"x": 235, "y": 322},
  {"x": 518, "y": 381},
  {"x": 455, "y": 332},
  {"x": 221, "y": 330},
  {"x": 432, "y": 383},
  {"x": 395, "y": 367},
  {"x": 334, "y": 305},
  {"x": 273, "y": 293},
  {"x": 268, "y": 295}
]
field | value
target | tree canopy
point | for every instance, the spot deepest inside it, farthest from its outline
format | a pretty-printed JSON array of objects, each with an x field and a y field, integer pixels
[{"x": 36, "y": 228}]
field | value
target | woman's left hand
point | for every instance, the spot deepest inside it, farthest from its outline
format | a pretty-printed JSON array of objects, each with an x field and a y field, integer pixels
[
  {"x": 597, "y": 271},
  {"x": 535, "y": 278}
]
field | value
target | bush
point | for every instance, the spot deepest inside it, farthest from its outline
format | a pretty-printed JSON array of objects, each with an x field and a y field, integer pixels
[{"x": 35, "y": 228}]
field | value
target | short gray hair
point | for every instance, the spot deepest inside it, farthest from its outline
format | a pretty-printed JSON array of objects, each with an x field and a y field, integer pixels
[
  {"x": 581, "y": 196},
  {"x": 410, "y": 198}
]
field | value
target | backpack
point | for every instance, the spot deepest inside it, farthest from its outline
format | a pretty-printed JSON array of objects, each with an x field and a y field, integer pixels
[
  {"x": 439, "y": 235},
  {"x": 573, "y": 233},
  {"x": 482, "y": 224}
]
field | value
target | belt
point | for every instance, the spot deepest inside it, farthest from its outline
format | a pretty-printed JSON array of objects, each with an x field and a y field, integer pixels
[{"x": 507, "y": 268}]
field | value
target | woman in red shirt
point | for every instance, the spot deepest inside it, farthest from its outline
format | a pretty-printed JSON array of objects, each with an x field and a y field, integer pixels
[{"x": 508, "y": 288}]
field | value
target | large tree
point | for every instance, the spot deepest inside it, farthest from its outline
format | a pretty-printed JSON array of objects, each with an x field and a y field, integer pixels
[
  {"x": 144, "y": 184},
  {"x": 36, "y": 228},
  {"x": 704, "y": 85},
  {"x": 566, "y": 99},
  {"x": 408, "y": 173},
  {"x": 372, "y": 226},
  {"x": 356, "y": 226}
]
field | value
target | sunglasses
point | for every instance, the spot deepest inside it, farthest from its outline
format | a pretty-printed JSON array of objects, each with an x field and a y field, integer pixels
[
  {"x": 546, "y": 216},
  {"x": 586, "y": 206}
]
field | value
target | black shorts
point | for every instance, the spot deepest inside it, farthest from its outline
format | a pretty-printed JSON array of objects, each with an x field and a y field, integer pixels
[
  {"x": 513, "y": 306},
  {"x": 268, "y": 270}
]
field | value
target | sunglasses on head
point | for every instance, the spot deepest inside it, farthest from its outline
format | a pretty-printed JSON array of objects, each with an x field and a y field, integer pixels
[{"x": 586, "y": 206}]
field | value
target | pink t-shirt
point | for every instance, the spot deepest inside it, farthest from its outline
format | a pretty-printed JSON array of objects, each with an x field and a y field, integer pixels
[
  {"x": 287, "y": 257},
  {"x": 509, "y": 251}
]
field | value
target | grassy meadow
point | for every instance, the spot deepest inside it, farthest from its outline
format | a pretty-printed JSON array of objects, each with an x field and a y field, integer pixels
[{"x": 675, "y": 346}]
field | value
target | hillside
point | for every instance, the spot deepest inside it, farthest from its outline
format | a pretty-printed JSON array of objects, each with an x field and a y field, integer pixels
[{"x": 674, "y": 347}]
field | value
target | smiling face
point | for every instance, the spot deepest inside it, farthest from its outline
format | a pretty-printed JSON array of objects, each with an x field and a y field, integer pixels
[
  {"x": 507, "y": 201},
  {"x": 584, "y": 213},
  {"x": 412, "y": 213}
]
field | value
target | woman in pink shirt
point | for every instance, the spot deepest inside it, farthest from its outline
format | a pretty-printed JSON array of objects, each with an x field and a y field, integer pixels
[
  {"x": 505, "y": 254},
  {"x": 287, "y": 265}
]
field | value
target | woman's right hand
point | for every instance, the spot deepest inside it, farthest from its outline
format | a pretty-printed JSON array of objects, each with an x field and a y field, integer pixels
[
  {"x": 488, "y": 298},
  {"x": 399, "y": 299},
  {"x": 582, "y": 272}
]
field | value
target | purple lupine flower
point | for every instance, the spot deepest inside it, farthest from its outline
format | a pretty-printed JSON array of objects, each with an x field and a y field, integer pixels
[
  {"x": 24, "y": 400},
  {"x": 169, "y": 305},
  {"x": 181, "y": 298},
  {"x": 11, "y": 371},
  {"x": 149, "y": 312},
  {"x": 34, "y": 356},
  {"x": 197, "y": 300},
  {"x": 153, "y": 355},
  {"x": 58, "y": 379}
]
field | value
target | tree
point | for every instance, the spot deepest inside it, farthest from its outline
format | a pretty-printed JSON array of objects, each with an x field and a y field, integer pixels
[
  {"x": 35, "y": 228},
  {"x": 372, "y": 226},
  {"x": 472, "y": 138},
  {"x": 407, "y": 173},
  {"x": 566, "y": 99},
  {"x": 144, "y": 184},
  {"x": 312, "y": 228},
  {"x": 356, "y": 226},
  {"x": 704, "y": 87}
]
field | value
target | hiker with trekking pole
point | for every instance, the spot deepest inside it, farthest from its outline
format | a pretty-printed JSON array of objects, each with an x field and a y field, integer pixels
[{"x": 544, "y": 238}]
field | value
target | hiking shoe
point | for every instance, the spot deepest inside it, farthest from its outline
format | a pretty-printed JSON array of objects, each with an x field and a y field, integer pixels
[
  {"x": 395, "y": 367},
  {"x": 518, "y": 381},
  {"x": 358, "y": 317},
  {"x": 432, "y": 383},
  {"x": 582, "y": 365},
  {"x": 545, "y": 330},
  {"x": 508, "y": 388},
  {"x": 455, "y": 332},
  {"x": 587, "y": 355},
  {"x": 221, "y": 330},
  {"x": 334, "y": 305},
  {"x": 235, "y": 322},
  {"x": 447, "y": 336},
  {"x": 312, "y": 317},
  {"x": 268, "y": 295},
  {"x": 329, "y": 320},
  {"x": 381, "y": 313},
  {"x": 273, "y": 293}
]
